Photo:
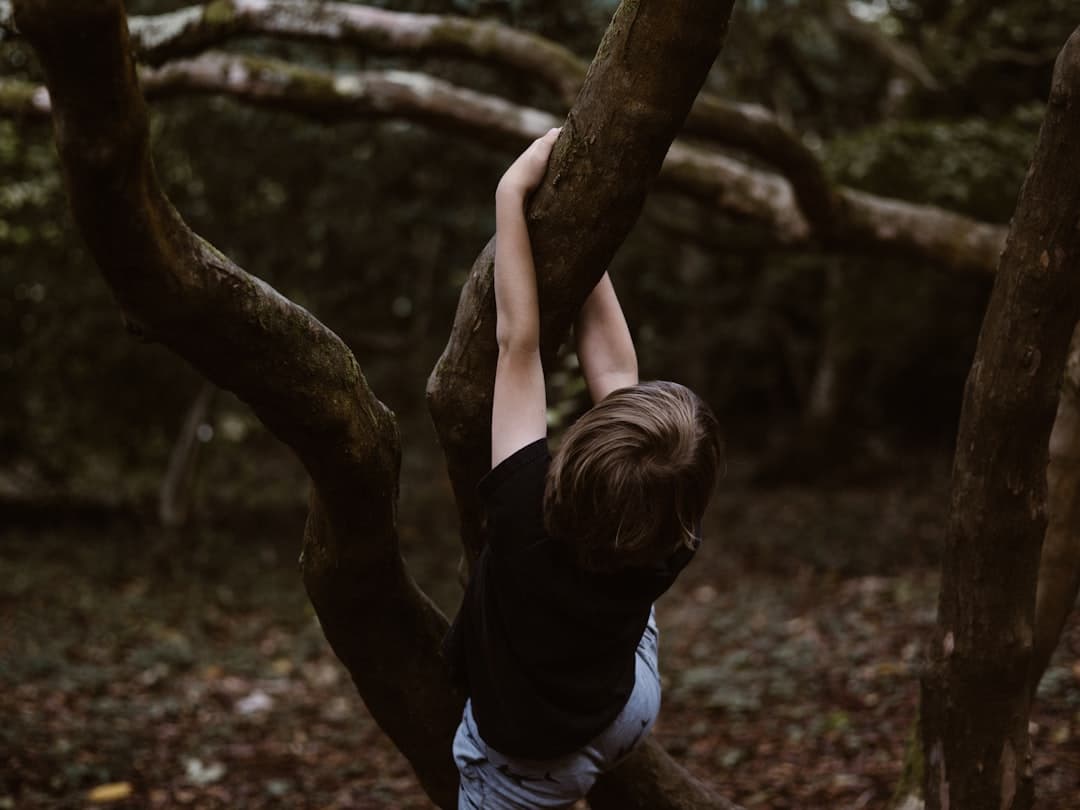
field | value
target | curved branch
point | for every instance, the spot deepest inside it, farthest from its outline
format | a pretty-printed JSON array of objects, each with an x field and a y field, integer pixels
[
  {"x": 276, "y": 84},
  {"x": 325, "y": 96},
  {"x": 925, "y": 231},
  {"x": 756, "y": 131},
  {"x": 162, "y": 37},
  {"x": 296, "y": 374},
  {"x": 834, "y": 214},
  {"x": 748, "y": 127},
  {"x": 858, "y": 218}
]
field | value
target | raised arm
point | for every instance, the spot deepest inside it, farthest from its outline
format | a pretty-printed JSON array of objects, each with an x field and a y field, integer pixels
[
  {"x": 604, "y": 345},
  {"x": 518, "y": 411}
]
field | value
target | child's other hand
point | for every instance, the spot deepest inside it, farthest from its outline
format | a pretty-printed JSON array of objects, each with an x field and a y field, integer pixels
[{"x": 526, "y": 172}]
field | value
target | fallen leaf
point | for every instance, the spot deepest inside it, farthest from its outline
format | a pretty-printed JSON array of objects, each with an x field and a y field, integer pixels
[
  {"x": 257, "y": 701},
  {"x": 200, "y": 773},
  {"x": 111, "y": 792}
]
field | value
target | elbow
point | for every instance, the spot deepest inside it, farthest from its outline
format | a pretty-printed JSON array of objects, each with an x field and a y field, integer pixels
[{"x": 517, "y": 340}]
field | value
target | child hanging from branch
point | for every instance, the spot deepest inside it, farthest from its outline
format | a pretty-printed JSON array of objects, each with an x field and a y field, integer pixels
[{"x": 556, "y": 639}]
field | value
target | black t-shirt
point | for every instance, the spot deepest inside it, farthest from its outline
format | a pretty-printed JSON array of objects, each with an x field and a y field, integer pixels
[{"x": 544, "y": 648}]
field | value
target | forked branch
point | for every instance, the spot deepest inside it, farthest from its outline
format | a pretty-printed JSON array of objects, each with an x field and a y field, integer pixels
[{"x": 296, "y": 374}]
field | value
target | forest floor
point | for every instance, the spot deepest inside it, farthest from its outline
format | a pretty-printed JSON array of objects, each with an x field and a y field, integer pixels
[{"x": 142, "y": 669}]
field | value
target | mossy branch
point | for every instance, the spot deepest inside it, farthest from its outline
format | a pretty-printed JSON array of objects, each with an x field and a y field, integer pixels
[{"x": 859, "y": 222}]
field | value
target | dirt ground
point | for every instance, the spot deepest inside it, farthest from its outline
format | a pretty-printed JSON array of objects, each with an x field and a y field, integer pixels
[{"x": 141, "y": 669}]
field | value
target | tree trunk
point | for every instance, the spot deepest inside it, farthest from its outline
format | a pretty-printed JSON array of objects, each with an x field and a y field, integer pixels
[
  {"x": 976, "y": 691},
  {"x": 174, "y": 495},
  {"x": 824, "y": 399},
  {"x": 1059, "y": 565},
  {"x": 305, "y": 385},
  {"x": 695, "y": 268},
  {"x": 296, "y": 374}
]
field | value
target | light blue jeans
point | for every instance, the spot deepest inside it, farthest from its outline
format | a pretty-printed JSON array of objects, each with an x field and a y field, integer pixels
[{"x": 491, "y": 781}]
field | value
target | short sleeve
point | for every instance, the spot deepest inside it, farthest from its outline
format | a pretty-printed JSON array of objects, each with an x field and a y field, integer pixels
[{"x": 513, "y": 495}]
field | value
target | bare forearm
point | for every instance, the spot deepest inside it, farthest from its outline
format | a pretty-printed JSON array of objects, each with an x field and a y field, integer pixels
[
  {"x": 516, "y": 300},
  {"x": 518, "y": 406},
  {"x": 604, "y": 346}
]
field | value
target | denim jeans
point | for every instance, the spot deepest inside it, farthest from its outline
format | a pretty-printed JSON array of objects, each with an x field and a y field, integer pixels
[{"x": 492, "y": 781}]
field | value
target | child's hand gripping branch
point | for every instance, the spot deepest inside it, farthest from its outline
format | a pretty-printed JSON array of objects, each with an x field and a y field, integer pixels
[
  {"x": 518, "y": 413},
  {"x": 604, "y": 345}
]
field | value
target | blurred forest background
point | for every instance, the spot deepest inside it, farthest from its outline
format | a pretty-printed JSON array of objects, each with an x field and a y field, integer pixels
[
  {"x": 837, "y": 373},
  {"x": 372, "y": 226}
]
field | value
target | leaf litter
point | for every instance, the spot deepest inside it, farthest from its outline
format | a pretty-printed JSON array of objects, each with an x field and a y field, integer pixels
[{"x": 136, "y": 671}]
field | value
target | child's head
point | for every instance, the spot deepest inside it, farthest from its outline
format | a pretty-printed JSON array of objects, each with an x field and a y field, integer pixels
[{"x": 631, "y": 479}]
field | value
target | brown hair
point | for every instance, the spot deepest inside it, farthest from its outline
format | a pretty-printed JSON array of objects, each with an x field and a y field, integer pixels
[{"x": 632, "y": 477}]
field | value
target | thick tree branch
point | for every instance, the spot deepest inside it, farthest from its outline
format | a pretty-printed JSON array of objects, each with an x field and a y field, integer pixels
[
  {"x": 196, "y": 28},
  {"x": 855, "y": 219},
  {"x": 350, "y": 96},
  {"x": 187, "y": 31},
  {"x": 748, "y": 127},
  {"x": 325, "y": 96},
  {"x": 976, "y": 692},
  {"x": 649, "y": 779},
  {"x": 924, "y": 231},
  {"x": 295, "y": 373},
  {"x": 611, "y": 148},
  {"x": 756, "y": 131}
]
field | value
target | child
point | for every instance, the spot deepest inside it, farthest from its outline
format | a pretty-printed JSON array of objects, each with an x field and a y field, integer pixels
[{"x": 556, "y": 641}]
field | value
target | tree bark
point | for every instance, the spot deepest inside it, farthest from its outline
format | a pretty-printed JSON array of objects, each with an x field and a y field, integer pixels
[
  {"x": 649, "y": 779},
  {"x": 976, "y": 691},
  {"x": 610, "y": 151},
  {"x": 298, "y": 377},
  {"x": 1059, "y": 565}
]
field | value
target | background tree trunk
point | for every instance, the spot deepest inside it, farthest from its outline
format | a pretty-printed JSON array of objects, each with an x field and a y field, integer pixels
[
  {"x": 1059, "y": 562},
  {"x": 976, "y": 692},
  {"x": 174, "y": 495},
  {"x": 800, "y": 204},
  {"x": 1059, "y": 565}
]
